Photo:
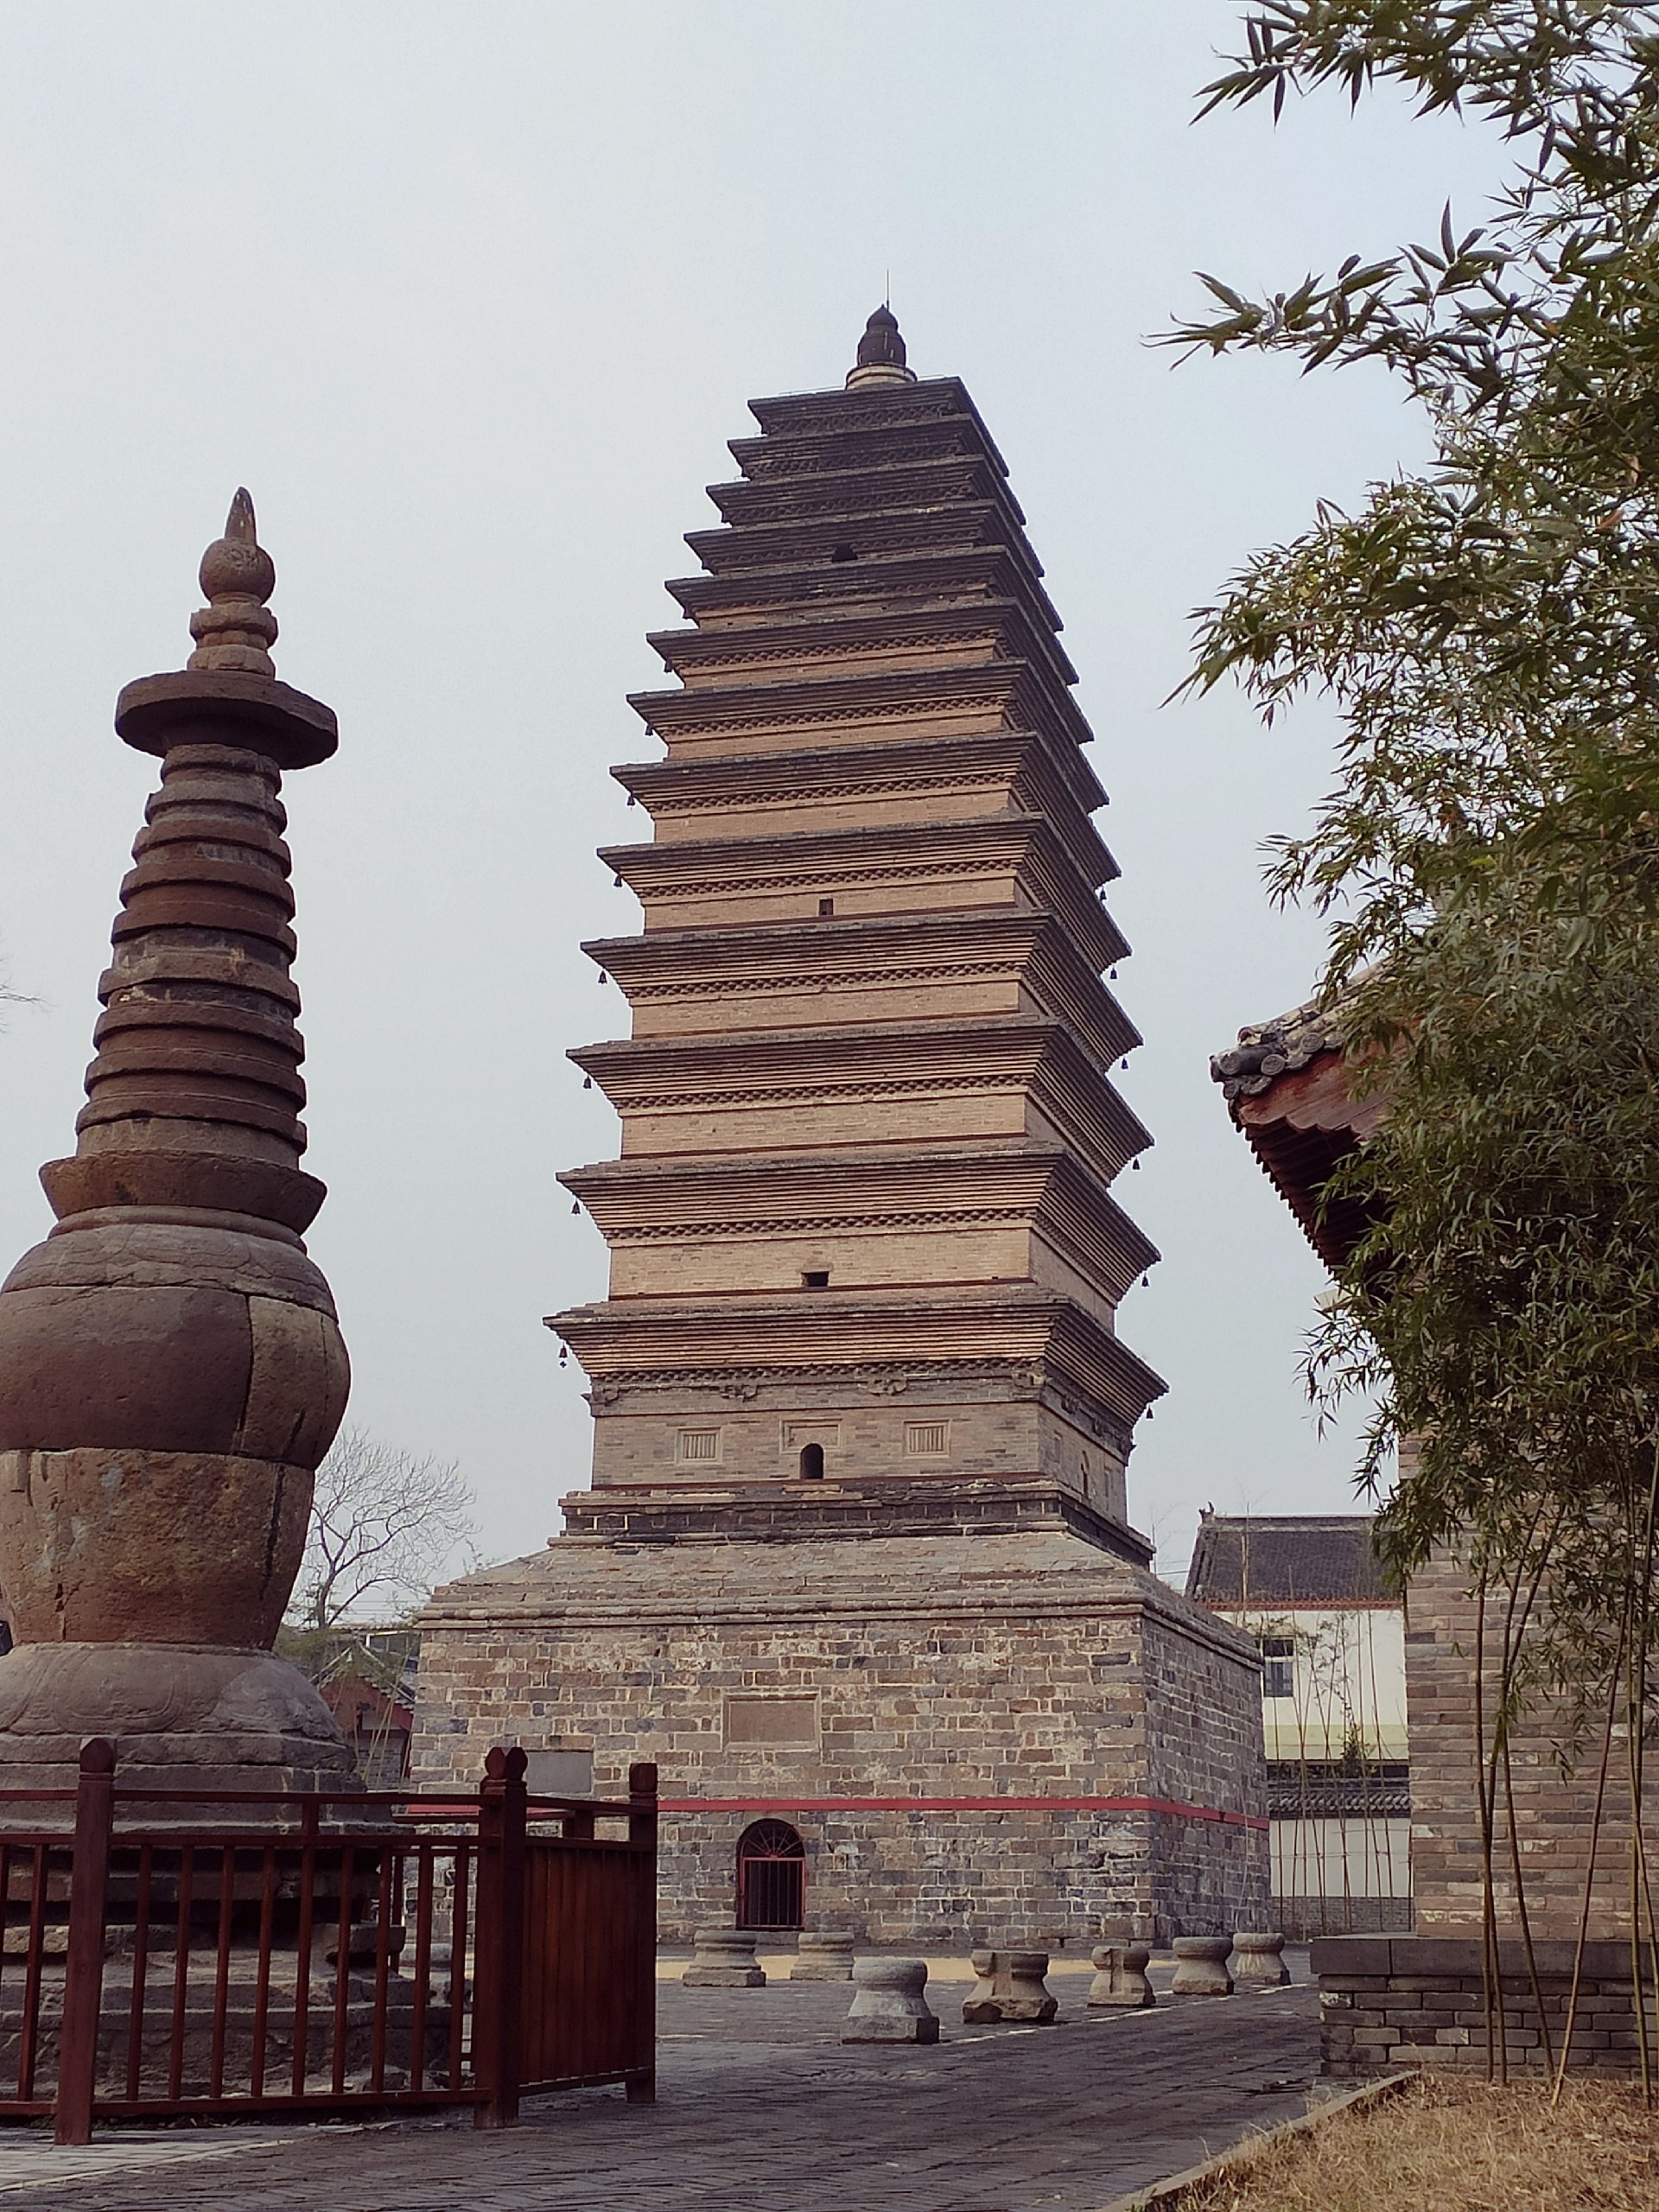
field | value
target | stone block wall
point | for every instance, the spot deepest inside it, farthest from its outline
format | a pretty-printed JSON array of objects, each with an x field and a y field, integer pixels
[
  {"x": 938, "y": 1717},
  {"x": 931, "y": 1876},
  {"x": 1201, "y": 1736},
  {"x": 1388, "y": 2002}
]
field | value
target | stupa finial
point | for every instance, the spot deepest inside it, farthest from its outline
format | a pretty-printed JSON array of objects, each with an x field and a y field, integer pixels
[
  {"x": 236, "y": 629},
  {"x": 881, "y": 353},
  {"x": 230, "y": 677}
]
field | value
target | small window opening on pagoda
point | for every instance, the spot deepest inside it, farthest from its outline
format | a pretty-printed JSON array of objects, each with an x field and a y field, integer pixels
[
  {"x": 771, "y": 1876},
  {"x": 826, "y": 907},
  {"x": 812, "y": 1462},
  {"x": 816, "y": 1279},
  {"x": 843, "y": 553}
]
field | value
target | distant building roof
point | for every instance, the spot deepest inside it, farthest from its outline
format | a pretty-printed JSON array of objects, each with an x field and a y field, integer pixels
[{"x": 1292, "y": 1559}]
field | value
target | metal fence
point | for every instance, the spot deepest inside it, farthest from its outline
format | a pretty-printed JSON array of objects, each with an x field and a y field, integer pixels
[{"x": 323, "y": 1952}]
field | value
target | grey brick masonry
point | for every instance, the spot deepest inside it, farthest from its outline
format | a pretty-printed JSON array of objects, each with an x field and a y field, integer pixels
[{"x": 1417, "y": 2000}]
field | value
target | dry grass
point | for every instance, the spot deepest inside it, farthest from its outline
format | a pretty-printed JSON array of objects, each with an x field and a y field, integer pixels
[{"x": 1459, "y": 2146}]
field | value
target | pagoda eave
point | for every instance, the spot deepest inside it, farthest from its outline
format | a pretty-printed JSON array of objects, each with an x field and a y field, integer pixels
[
  {"x": 1040, "y": 777},
  {"x": 787, "y": 548},
  {"x": 878, "y": 486},
  {"x": 1030, "y": 949},
  {"x": 1004, "y": 625},
  {"x": 980, "y": 854},
  {"x": 804, "y": 1067},
  {"x": 1017, "y": 688},
  {"x": 871, "y": 1338},
  {"x": 939, "y": 576},
  {"x": 819, "y": 414},
  {"x": 782, "y": 1197}
]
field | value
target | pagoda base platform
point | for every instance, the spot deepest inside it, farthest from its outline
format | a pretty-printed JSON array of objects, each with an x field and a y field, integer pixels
[{"x": 983, "y": 1718}]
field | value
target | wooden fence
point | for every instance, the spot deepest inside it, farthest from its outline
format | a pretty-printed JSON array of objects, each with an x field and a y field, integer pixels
[{"x": 324, "y": 1952}]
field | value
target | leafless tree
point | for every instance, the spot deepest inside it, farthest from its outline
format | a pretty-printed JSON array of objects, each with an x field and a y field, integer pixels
[{"x": 383, "y": 1523}]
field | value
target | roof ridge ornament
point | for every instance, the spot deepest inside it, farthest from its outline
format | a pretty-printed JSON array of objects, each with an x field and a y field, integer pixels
[{"x": 880, "y": 354}]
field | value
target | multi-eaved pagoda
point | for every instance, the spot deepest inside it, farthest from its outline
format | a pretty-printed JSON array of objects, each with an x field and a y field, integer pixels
[{"x": 856, "y": 1568}]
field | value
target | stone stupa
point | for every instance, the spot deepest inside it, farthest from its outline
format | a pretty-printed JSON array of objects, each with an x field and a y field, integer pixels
[{"x": 171, "y": 1369}]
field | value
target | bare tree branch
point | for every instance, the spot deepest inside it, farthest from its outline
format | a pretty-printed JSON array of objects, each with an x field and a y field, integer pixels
[{"x": 384, "y": 1524}]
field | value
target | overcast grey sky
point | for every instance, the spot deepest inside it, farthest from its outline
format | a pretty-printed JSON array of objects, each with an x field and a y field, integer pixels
[{"x": 471, "y": 296}]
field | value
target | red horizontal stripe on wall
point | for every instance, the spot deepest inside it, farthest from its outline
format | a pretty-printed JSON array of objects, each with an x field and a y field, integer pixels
[{"x": 1165, "y": 1805}]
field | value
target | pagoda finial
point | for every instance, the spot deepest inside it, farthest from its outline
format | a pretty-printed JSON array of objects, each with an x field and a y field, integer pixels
[
  {"x": 881, "y": 353},
  {"x": 236, "y": 629}
]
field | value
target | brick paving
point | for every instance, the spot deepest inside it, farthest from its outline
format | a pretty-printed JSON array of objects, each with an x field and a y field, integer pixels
[{"x": 760, "y": 2108}]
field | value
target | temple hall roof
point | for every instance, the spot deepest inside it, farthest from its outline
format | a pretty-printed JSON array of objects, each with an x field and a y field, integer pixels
[
  {"x": 1267, "y": 1049},
  {"x": 1287, "y": 1088},
  {"x": 1292, "y": 1559}
]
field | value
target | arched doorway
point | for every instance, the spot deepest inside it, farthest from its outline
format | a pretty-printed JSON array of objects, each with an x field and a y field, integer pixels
[
  {"x": 812, "y": 1462},
  {"x": 771, "y": 1876}
]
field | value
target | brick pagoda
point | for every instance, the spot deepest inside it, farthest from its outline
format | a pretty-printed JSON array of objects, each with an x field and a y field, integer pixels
[{"x": 856, "y": 1558}]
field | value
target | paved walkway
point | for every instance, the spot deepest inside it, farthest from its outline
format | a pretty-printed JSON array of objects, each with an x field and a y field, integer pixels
[{"x": 760, "y": 2108}]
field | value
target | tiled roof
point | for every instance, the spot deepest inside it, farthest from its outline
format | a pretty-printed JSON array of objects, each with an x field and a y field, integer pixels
[
  {"x": 1291, "y": 1091},
  {"x": 1324, "y": 1789},
  {"x": 1294, "y": 1559},
  {"x": 1270, "y": 1049}
]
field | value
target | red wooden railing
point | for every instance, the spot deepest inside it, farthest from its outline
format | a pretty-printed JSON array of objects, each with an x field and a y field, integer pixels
[{"x": 465, "y": 1950}]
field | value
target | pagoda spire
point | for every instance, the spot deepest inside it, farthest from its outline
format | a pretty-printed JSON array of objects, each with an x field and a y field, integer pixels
[{"x": 881, "y": 357}]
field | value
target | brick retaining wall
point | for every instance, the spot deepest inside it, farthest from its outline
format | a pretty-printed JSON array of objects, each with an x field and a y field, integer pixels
[{"x": 1416, "y": 2000}]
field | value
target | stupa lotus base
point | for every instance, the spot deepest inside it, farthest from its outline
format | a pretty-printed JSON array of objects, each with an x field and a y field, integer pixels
[{"x": 199, "y": 1717}]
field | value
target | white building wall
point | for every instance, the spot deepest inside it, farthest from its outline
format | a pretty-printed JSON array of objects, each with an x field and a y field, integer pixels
[
  {"x": 1349, "y": 1687},
  {"x": 1350, "y": 1858}
]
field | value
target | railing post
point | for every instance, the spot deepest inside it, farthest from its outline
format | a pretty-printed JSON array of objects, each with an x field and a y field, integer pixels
[
  {"x": 499, "y": 1942},
  {"x": 642, "y": 1805},
  {"x": 83, "y": 1981},
  {"x": 642, "y": 1829}
]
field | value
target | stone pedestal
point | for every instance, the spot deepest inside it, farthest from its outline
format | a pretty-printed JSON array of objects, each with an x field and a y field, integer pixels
[
  {"x": 889, "y": 2005},
  {"x": 724, "y": 1960},
  {"x": 823, "y": 1957},
  {"x": 1201, "y": 1966},
  {"x": 1256, "y": 1960},
  {"x": 1010, "y": 1986},
  {"x": 613, "y": 1625},
  {"x": 195, "y": 1716},
  {"x": 1119, "y": 1983}
]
